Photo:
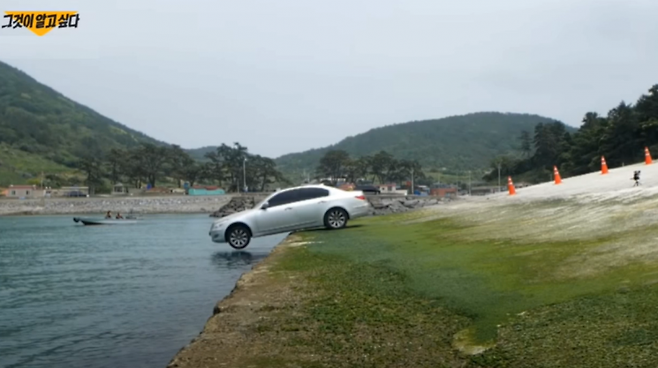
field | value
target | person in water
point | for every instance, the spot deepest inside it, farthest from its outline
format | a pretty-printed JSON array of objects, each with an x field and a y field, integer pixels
[
  {"x": 108, "y": 215},
  {"x": 119, "y": 216}
]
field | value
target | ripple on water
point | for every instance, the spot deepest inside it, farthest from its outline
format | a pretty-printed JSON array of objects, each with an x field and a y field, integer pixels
[{"x": 93, "y": 297}]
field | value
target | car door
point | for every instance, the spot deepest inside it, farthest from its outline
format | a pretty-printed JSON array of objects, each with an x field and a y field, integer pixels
[
  {"x": 278, "y": 217},
  {"x": 310, "y": 207}
]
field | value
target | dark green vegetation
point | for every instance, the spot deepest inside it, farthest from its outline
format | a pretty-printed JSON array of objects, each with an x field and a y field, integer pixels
[
  {"x": 389, "y": 292},
  {"x": 45, "y": 136},
  {"x": 464, "y": 142},
  {"x": 148, "y": 163},
  {"x": 381, "y": 167},
  {"x": 39, "y": 124},
  {"x": 199, "y": 154},
  {"x": 620, "y": 136}
]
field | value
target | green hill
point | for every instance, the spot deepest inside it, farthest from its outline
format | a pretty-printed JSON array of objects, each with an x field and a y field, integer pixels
[
  {"x": 199, "y": 153},
  {"x": 43, "y": 130},
  {"x": 456, "y": 142}
]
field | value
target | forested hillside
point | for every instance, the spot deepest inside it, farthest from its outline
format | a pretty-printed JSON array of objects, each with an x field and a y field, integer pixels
[
  {"x": 199, "y": 154},
  {"x": 45, "y": 138},
  {"x": 458, "y": 142},
  {"x": 38, "y": 124},
  {"x": 620, "y": 136}
]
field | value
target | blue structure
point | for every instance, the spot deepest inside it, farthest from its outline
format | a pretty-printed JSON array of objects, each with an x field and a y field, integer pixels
[{"x": 201, "y": 191}]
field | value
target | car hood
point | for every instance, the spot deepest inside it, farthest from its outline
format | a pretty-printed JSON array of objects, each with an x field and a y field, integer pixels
[{"x": 234, "y": 216}]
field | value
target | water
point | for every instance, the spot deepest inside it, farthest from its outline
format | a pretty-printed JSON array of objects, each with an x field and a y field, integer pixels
[{"x": 111, "y": 296}]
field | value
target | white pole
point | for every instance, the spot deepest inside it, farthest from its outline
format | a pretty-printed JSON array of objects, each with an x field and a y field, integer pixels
[
  {"x": 244, "y": 174},
  {"x": 499, "y": 177},
  {"x": 412, "y": 181},
  {"x": 469, "y": 182}
]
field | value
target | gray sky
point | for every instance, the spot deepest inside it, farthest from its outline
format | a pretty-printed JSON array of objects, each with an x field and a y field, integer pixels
[{"x": 282, "y": 76}]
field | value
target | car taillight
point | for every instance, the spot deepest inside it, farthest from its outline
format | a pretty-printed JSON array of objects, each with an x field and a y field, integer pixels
[{"x": 361, "y": 197}]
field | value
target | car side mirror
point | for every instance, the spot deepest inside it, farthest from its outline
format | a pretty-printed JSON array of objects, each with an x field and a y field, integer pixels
[{"x": 264, "y": 206}]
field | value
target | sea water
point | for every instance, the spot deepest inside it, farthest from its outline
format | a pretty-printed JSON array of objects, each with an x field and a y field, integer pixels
[{"x": 111, "y": 296}]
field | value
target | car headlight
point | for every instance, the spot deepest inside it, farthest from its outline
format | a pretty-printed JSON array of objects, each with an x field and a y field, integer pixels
[{"x": 217, "y": 226}]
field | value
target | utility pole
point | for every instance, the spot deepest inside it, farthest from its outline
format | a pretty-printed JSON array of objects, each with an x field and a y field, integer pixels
[
  {"x": 469, "y": 182},
  {"x": 499, "y": 188},
  {"x": 412, "y": 181},
  {"x": 244, "y": 174}
]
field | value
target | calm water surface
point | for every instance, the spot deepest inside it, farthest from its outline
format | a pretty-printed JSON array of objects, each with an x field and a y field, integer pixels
[{"x": 111, "y": 296}]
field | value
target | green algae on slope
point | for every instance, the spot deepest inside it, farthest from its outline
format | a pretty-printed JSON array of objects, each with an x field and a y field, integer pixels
[{"x": 487, "y": 281}]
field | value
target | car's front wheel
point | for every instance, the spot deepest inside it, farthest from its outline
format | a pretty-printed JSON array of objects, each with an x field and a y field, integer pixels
[
  {"x": 335, "y": 218},
  {"x": 238, "y": 236}
]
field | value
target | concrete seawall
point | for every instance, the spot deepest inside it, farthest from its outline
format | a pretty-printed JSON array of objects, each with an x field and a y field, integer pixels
[
  {"x": 99, "y": 205},
  {"x": 216, "y": 206}
]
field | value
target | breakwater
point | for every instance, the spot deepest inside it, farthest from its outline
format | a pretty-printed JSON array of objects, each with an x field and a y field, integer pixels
[{"x": 100, "y": 205}]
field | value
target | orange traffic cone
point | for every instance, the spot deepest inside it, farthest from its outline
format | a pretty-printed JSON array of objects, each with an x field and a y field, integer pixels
[
  {"x": 647, "y": 156},
  {"x": 604, "y": 166},
  {"x": 510, "y": 186},
  {"x": 556, "y": 174}
]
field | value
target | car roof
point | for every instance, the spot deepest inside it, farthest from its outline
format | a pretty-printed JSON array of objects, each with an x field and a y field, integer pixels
[{"x": 319, "y": 186}]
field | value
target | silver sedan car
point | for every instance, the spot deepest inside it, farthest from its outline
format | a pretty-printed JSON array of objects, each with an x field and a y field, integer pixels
[{"x": 291, "y": 209}]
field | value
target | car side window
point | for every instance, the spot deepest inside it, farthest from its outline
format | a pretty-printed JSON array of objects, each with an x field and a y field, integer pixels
[
  {"x": 311, "y": 193},
  {"x": 283, "y": 198}
]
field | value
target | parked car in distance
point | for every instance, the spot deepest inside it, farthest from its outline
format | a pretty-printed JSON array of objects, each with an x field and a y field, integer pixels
[
  {"x": 368, "y": 189},
  {"x": 76, "y": 193},
  {"x": 291, "y": 209}
]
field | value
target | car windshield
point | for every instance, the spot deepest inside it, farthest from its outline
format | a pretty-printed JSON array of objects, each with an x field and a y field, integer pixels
[{"x": 260, "y": 204}]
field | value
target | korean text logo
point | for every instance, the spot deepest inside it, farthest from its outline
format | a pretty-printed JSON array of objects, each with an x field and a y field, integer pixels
[{"x": 40, "y": 22}]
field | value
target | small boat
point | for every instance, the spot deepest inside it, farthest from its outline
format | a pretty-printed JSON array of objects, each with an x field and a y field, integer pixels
[{"x": 102, "y": 221}]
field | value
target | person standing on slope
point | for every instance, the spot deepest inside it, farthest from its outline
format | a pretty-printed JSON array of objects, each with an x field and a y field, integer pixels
[{"x": 636, "y": 177}]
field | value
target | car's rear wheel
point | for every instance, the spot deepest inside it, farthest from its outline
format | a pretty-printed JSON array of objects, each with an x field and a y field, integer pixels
[
  {"x": 335, "y": 218},
  {"x": 238, "y": 236}
]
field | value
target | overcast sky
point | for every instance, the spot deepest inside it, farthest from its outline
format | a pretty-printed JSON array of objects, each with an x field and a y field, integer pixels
[{"x": 282, "y": 76}]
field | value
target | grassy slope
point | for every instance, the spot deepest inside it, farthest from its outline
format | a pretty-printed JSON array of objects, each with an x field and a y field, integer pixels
[
  {"x": 41, "y": 122},
  {"x": 17, "y": 166},
  {"x": 575, "y": 299}
]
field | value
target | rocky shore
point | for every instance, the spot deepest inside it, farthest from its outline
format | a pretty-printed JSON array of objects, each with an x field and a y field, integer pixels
[
  {"x": 237, "y": 204},
  {"x": 383, "y": 205},
  {"x": 99, "y": 205}
]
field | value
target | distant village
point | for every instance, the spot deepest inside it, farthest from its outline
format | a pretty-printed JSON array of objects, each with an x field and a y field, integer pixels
[{"x": 443, "y": 190}]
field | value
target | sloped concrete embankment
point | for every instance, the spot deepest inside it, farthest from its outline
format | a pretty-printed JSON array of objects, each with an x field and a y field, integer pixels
[{"x": 381, "y": 204}]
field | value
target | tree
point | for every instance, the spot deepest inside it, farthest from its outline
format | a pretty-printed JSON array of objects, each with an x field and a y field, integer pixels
[
  {"x": 179, "y": 161},
  {"x": 526, "y": 143},
  {"x": 114, "y": 160},
  {"x": 214, "y": 169},
  {"x": 333, "y": 164},
  {"x": 262, "y": 172},
  {"x": 381, "y": 165},
  {"x": 619, "y": 139},
  {"x": 226, "y": 164},
  {"x": 193, "y": 172},
  {"x": 92, "y": 167},
  {"x": 152, "y": 160}
]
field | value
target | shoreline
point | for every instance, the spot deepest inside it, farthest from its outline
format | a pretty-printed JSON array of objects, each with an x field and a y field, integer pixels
[
  {"x": 254, "y": 292},
  {"x": 336, "y": 304}
]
